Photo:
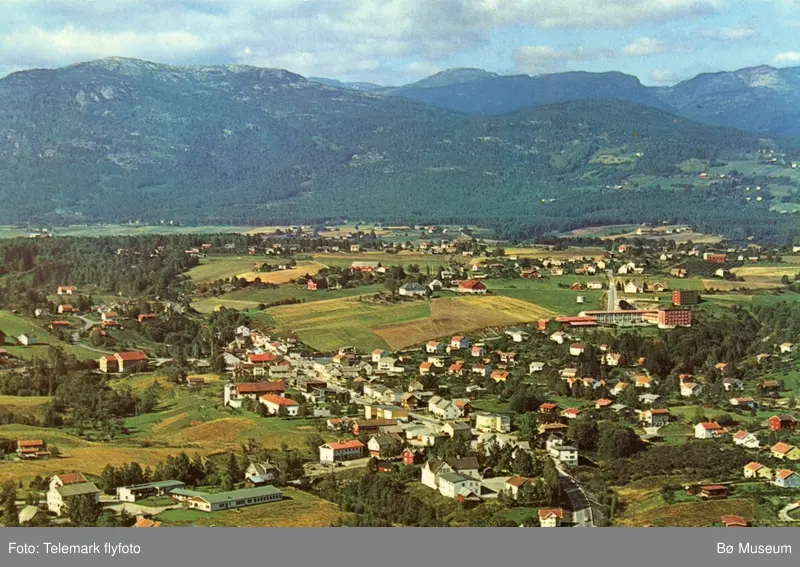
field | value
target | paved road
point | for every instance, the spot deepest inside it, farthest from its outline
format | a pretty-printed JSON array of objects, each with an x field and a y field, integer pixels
[
  {"x": 612, "y": 291},
  {"x": 87, "y": 323},
  {"x": 576, "y": 500},
  {"x": 135, "y": 509}
]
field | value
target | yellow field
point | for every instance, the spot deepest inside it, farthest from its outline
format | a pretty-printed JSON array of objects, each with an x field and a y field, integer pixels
[
  {"x": 31, "y": 406},
  {"x": 283, "y": 276},
  {"x": 690, "y": 514},
  {"x": 569, "y": 254},
  {"x": 461, "y": 315},
  {"x": 765, "y": 274},
  {"x": 726, "y": 285},
  {"x": 221, "y": 433}
]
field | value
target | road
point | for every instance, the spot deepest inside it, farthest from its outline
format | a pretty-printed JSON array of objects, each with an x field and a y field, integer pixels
[
  {"x": 576, "y": 500},
  {"x": 784, "y": 512},
  {"x": 87, "y": 323},
  {"x": 612, "y": 291}
]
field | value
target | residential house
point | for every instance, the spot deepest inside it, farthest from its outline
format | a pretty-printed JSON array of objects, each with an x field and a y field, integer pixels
[
  {"x": 613, "y": 359},
  {"x": 457, "y": 429},
  {"x": 786, "y": 479},
  {"x": 26, "y": 339},
  {"x": 458, "y": 343},
  {"x": 276, "y": 405},
  {"x": 444, "y": 409},
  {"x": 478, "y": 351},
  {"x": 656, "y": 417},
  {"x": 535, "y": 367},
  {"x": 644, "y": 382},
  {"x": 602, "y": 403},
  {"x": 515, "y": 483},
  {"x": 733, "y": 521},
  {"x": 475, "y": 287},
  {"x": 500, "y": 375},
  {"x": 434, "y": 347},
  {"x": 558, "y": 337},
  {"x": 123, "y": 362},
  {"x": 66, "y": 290},
  {"x": 746, "y": 439},
  {"x": 65, "y": 308},
  {"x": 708, "y": 430},
  {"x": 570, "y": 413},
  {"x": 785, "y": 451},
  {"x": 343, "y": 451},
  {"x": 30, "y": 449},
  {"x": 258, "y": 474},
  {"x": 134, "y": 492},
  {"x": 235, "y": 394},
  {"x": 60, "y": 494},
  {"x": 489, "y": 422},
  {"x": 412, "y": 289},
  {"x": 385, "y": 446},
  {"x": 781, "y": 422},
  {"x": 690, "y": 389},
  {"x": 459, "y": 487},
  {"x": 550, "y": 518},
  {"x": 564, "y": 454},
  {"x": 576, "y": 349},
  {"x": 757, "y": 470},
  {"x": 787, "y": 348},
  {"x": 745, "y": 403},
  {"x": 517, "y": 335}
]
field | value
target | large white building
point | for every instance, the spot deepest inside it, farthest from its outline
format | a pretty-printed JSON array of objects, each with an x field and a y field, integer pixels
[
  {"x": 344, "y": 451},
  {"x": 66, "y": 486}
]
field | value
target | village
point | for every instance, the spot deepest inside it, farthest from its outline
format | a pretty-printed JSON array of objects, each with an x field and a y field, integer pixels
[{"x": 504, "y": 416}]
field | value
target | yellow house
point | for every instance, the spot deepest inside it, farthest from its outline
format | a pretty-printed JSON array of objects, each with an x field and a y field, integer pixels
[
  {"x": 785, "y": 451},
  {"x": 757, "y": 470}
]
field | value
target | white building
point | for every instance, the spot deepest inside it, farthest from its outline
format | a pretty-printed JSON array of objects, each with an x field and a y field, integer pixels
[
  {"x": 277, "y": 403},
  {"x": 344, "y": 451},
  {"x": 454, "y": 485},
  {"x": 492, "y": 423},
  {"x": 59, "y": 495}
]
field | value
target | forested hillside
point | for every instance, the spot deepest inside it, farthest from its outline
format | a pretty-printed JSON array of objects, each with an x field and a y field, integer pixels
[{"x": 121, "y": 139}]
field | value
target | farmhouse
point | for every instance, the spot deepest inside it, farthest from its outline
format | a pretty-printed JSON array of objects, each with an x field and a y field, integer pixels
[
  {"x": 123, "y": 362},
  {"x": 234, "y": 499},
  {"x": 32, "y": 449},
  {"x": 258, "y": 474},
  {"x": 781, "y": 422},
  {"x": 708, "y": 430},
  {"x": 65, "y": 308},
  {"x": 235, "y": 394},
  {"x": 475, "y": 287},
  {"x": 456, "y": 486},
  {"x": 59, "y": 495},
  {"x": 343, "y": 451}
]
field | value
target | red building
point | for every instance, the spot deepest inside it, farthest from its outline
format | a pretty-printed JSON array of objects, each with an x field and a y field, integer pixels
[
  {"x": 471, "y": 286},
  {"x": 312, "y": 285},
  {"x": 674, "y": 318},
  {"x": 715, "y": 258},
  {"x": 780, "y": 422},
  {"x": 685, "y": 297}
]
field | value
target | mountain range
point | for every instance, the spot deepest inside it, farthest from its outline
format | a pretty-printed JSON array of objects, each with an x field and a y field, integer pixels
[
  {"x": 759, "y": 99},
  {"x": 123, "y": 139}
]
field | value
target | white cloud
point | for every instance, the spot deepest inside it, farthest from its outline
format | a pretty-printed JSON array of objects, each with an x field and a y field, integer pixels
[
  {"x": 321, "y": 37},
  {"x": 663, "y": 76},
  {"x": 535, "y": 59},
  {"x": 787, "y": 58},
  {"x": 422, "y": 69},
  {"x": 735, "y": 33},
  {"x": 643, "y": 46}
]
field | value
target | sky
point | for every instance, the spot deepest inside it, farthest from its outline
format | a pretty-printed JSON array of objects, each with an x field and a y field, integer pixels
[{"x": 394, "y": 42}]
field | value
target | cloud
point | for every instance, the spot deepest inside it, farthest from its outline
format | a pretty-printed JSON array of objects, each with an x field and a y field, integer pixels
[
  {"x": 787, "y": 58},
  {"x": 735, "y": 33},
  {"x": 663, "y": 77},
  {"x": 321, "y": 37},
  {"x": 423, "y": 69},
  {"x": 643, "y": 46},
  {"x": 535, "y": 59}
]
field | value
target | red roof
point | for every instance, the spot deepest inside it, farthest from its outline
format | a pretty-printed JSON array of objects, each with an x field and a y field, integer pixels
[
  {"x": 354, "y": 444},
  {"x": 659, "y": 411},
  {"x": 545, "y": 513},
  {"x": 547, "y": 406},
  {"x": 278, "y": 400},
  {"x": 71, "y": 478},
  {"x": 783, "y": 473},
  {"x": 30, "y": 443},
  {"x": 711, "y": 426},
  {"x": 730, "y": 521},
  {"x": 782, "y": 447},
  {"x": 130, "y": 356},
  {"x": 713, "y": 487},
  {"x": 266, "y": 357},
  {"x": 517, "y": 481},
  {"x": 259, "y": 387},
  {"x": 471, "y": 284}
]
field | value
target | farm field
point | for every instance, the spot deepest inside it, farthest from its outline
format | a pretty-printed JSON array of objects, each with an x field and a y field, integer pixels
[
  {"x": 214, "y": 268},
  {"x": 251, "y": 298},
  {"x": 327, "y": 325},
  {"x": 541, "y": 252},
  {"x": 424, "y": 261},
  {"x": 14, "y": 325},
  {"x": 766, "y": 275},
  {"x": 29, "y": 406},
  {"x": 297, "y": 509},
  {"x": 546, "y": 293}
]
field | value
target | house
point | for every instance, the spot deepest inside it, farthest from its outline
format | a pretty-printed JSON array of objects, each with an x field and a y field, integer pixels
[
  {"x": 786, "y": 479},
  {"x": 196, "y": 381},
  {"x": 477, "y": 351},
  {"x": 594, "y": 285},
  {"x": 59, "y": 495},
  {"x": 781, "y": 422},
  {"x": 434, "y": 347},
  {"x": 746, "y": 403},
  {"x": 602, "y": 403},
  {"x": 385, "y": 446},
  {"x": 410, "y": 456},
  {"x": 144, "y": 317},
  {"x": 457, "y": 429},
  {"x": 613, "y": 359},
  {"x": 535, "y": 367},
  {"x": 500, "y": 375},
  {"x": 409, "y": 400},
  {"x": 689, "y": 389},
  {"x": 730, "y": 384},
  {"x": 364, "y": 266},
  {"x": 143, "y": 522},
  {"x": 564, "y": 454},
  {"x": 490, "y": 422},
  {"x": 65, "y": 308},
  {"x": 517, "y": 336},
  {"x": 476, "y": 287},
  {"x": 733, "y": 522},
  {"x": 206, "y": 502},
  {"x": 444, "y": 409},
  {"x": 631, "y": 287},
  {"x": 558, "y": 337},
  {"x": 713, "y": 492},
  {"x": 459, "y": 487},
  {"x": 515, "y": 483},
  {"x": 757, "y": 470},
  {"x": 458, "y": 343},
  {"x": 571, "y": 413},
  {"x": 378, "y": 354},
  {"x": 708, "y": 430},
  {"x": 26, "y": 339},
  {"x": 784, "y": 451},
  {"x": 411, "y": 289},
  {"x": 656, "y": 417},
  {"x": 343, "y": 451},
  {"x": 746, "y": 439},
  {"x": 134, "y": 492},
  {"x": 769, "y": 386},
  {"x": 576, "y": 349},
  {"x": 456, "y": 369},
  {"x": 431, "y": 471},
  {"x": 550, "y": 518},
  {"x": 311, "y": 285},
  {"x": 258, "y": 474},
  {"x": 235, "y": 394},
  {"x": 548, "y": 408},
  {"x": 32, "y": 449},
  {"x": 123, "y": 362},
  {"x": 425, "y": 368},
  {"x": 66, "y": 290},
  {"x": 644, "y": 382},
  {"x": 108, "y": 316},
  {"x": 276, "y": 405}
]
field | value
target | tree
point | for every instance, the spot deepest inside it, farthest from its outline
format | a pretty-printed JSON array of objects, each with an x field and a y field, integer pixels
[
  {"x": 524, "y": 464},
  {"x": 553, "y": 481},
  {"x": 584, "y": 433},
  {"x": 83, "y": 510},
  {"x": 232, "y": 473},
  {"x": 617, "y": 442},
  {"x": 8, "y": 499}
]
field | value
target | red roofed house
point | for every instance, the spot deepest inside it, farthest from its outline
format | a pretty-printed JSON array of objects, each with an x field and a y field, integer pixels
[
  {"x": 733, "y": 522},
  {"x": 602, "y": 403},
  {"x": 123, "y": 362},
  {"x": 32, "y": 449},
  {"x": 786, "y": 451},
  {"x": 786, "y": 478},
  {"x": 143, "y": 317},
  {"x": 757, "y": 470},
  {"x": 708, "y": 430},
  {"x": 260, "y": 362},
  {"x": 550, "y": 518},
  {"x": 344, "y": 451},
  {"x": 713, "y": 492},
  {"x": 500, "y": 375},
  {"x": 471, "y": 286},
  {"x": 278, "y": 404},
  {"x": 656, "y": 417},
  {"x": 548, "y": 408},
  {"x": 311, "y": 285},
  {"x": 570, "y": 413}
]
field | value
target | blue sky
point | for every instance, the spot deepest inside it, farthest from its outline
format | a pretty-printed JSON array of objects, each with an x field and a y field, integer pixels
[{"x": 400, "y": 41}]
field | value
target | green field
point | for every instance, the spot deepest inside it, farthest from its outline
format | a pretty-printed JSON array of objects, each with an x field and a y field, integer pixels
[
  {"x": 547, "y": 294},
  {"x": 250, "y": 298},
  {"x": 14, "y": 325}
]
